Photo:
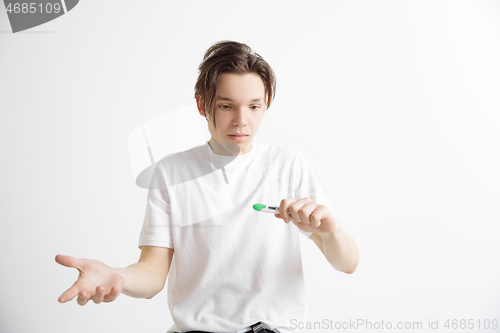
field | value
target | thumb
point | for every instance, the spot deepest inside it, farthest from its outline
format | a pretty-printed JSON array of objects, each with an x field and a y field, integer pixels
[{"x": 67, "y": 261}]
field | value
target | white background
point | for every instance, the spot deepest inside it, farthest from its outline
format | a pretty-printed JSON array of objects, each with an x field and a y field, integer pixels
[{"x": 396, "y": 103}]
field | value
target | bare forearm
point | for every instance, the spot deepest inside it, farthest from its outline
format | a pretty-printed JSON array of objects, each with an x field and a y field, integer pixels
[
  {"x": 140, "y": 281},
  {"x": 340, "y": 250}
]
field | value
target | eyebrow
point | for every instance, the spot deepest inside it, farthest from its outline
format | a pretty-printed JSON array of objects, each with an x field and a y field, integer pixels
[{"x": 230, "y": 100}]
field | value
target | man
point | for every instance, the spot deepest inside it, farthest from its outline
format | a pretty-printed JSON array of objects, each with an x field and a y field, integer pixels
[{"x": 236, "y": 269}]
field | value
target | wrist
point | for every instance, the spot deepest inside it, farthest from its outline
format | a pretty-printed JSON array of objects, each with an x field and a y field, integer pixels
[{"x": 332, "y": 235}]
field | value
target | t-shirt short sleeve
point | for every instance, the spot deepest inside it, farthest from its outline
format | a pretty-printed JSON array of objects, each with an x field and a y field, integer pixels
[
  {"x": 157, "y": 226},
  {"x": 309, "y": 186}
]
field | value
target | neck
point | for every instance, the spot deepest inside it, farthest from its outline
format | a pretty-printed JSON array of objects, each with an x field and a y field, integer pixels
[{"x": 226, "y": 148}]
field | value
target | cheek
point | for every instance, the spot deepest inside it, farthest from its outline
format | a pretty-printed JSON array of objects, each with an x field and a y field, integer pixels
[
  {"x": 257, "y": 120},
  {"x": 224, "y": 120}
]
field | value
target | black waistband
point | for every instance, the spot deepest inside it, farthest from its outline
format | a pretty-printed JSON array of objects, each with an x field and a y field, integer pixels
[{"x": 257, "y": 327}]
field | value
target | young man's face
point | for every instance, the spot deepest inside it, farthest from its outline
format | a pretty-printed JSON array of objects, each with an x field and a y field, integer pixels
[{"x": 240, "y": 106}]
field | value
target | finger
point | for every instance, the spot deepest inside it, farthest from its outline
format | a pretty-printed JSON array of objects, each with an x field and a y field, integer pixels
[
  {"x": 285, "y": 210},
  {"x": 83, "y": 298},
  {"x": 306, "y": 211},
  {"x": 69, "y": 294},
  {"x": 294, "y": 214},
  {"x": 317, "y": 215},
  {"x": 67, "y": 261},
  {"x": 304, "y": 216},
  {"x": 113, "y": 294},
  {"x": 315, "y": 219},
  {"x": 282, "y": 209},
  {"x": 99, "y": 295},
  {"x": 296, "y": 207}
]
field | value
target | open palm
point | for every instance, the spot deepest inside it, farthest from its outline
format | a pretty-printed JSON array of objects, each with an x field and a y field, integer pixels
[{"x": 96, "y": 281}]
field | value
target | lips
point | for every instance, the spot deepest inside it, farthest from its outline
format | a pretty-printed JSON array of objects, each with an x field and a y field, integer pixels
[{"x": 238, "y": 137}]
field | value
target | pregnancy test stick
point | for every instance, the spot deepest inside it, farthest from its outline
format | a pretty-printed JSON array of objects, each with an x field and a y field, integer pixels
[{"x": 266, "y": 209}]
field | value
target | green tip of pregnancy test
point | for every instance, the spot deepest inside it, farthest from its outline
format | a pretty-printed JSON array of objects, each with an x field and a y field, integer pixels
[{"x": 258, "y": 207}]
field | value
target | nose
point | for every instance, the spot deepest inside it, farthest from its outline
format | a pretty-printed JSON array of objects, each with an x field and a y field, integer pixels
[{"x": 240, "y": 117}]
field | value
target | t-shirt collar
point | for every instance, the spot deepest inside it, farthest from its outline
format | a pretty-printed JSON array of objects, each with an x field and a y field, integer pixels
[{"x": 237, "y": 161}]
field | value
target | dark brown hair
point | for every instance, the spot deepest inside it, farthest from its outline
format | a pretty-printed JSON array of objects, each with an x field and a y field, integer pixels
[{"x": 230, "y": 57}]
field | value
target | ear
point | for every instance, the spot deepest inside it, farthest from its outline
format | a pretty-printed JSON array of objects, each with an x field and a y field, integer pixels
[{"x": 199, "y": 104}]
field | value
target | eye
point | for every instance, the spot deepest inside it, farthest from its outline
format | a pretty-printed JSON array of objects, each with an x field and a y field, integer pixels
[
  {"x": 224, "y": 107},
  {"x": 255, "y": 107}
]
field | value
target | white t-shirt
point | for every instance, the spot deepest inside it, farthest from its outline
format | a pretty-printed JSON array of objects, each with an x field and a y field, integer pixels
[{"x": 233, "y": 266}]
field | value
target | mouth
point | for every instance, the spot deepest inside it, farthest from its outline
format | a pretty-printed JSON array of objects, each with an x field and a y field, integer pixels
[{"x": 238, "y": 136}]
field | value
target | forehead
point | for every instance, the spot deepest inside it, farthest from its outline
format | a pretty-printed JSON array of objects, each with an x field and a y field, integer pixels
[{"x": 246, "y": 86}]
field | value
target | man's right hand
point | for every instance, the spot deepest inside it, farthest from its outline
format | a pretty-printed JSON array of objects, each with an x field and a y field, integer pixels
[{"x": 97, "y": 281}]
